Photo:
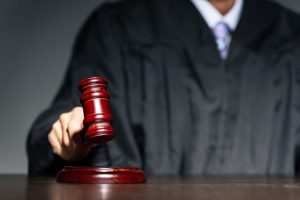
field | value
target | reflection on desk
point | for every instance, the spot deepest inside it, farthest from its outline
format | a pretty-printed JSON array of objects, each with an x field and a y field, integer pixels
[{"x": 178, "y": 188}]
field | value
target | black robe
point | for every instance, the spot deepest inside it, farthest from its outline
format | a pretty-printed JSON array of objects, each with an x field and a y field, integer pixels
[{"x": 177, "y": 107}]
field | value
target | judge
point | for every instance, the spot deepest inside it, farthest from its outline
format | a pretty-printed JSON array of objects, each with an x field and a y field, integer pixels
[{"x": 197, "y": 88}]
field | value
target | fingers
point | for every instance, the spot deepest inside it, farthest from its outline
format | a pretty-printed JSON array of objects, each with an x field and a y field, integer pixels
[
  {"x": 64, "y": 122},
  {"x": 55, "y": 137},
  {"x": 57, "y": 131},
  {"x": 75, "y": 124},
  {"x": 64, "y": 136}
]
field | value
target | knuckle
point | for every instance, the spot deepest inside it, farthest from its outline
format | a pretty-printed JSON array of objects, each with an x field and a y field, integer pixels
[
  {"x": 74, "y": 126},
  {"x": 52, "y": 139},
  {"x": 64, "y": 120},
  {"x": 78, "y": 109},
  {"x": 54, "y": 125},
  {"x": 56, "y": 129},
  {"x": 63, "y": 117},
  {"x": 78, "y": 113}
]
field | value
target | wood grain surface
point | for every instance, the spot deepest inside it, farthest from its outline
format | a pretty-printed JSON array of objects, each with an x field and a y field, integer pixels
[{"x": 177, "y": 188}]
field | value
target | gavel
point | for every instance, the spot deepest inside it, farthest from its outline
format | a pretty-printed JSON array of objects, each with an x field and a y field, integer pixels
[
  {"x": 97, "y": 116},
  {"x": 98, "y": 130}
]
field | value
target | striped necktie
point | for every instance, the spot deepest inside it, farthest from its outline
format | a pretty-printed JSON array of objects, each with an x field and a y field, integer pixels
[{"x": 222, "y": 37}]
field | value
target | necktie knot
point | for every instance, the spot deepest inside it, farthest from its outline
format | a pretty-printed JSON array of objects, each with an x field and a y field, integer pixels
[{"x": 222, "y": 37}]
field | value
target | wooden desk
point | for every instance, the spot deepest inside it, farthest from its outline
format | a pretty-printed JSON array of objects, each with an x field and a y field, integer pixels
[{"x": 18, "y": 187}]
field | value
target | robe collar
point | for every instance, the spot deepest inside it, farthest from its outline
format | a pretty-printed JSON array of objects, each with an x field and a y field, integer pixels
[{"x": 180, "y": 22}]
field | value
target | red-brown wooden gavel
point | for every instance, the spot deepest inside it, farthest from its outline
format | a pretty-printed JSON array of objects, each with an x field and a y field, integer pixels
[{"x": 97, "y": 117}]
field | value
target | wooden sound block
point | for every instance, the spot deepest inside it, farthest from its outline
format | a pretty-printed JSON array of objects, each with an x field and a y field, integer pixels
[{"x": 88, "y": 175}]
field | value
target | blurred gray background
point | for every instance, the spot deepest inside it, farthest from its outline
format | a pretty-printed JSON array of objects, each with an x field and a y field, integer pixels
[{"x": 36, "y": 37}]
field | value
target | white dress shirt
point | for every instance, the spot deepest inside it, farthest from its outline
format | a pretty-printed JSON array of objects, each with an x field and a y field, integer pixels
[{"x": 212, "y": 16}]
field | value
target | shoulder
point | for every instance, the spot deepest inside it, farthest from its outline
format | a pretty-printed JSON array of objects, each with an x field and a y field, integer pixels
[
  {"x": 134, "y": 19},
  {"x": 271, "y": 24},
  {"x": 286, "y": 19}
]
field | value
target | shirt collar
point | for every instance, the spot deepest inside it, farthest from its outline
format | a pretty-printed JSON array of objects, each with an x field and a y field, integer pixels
[{"x": 212, "y": 16}]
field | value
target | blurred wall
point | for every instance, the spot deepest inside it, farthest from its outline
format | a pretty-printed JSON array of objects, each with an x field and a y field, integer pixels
[{"x": 36, "y": 37}]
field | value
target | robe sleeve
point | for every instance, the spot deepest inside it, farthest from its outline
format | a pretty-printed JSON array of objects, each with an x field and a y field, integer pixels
[{"x": 91, "y": 56}]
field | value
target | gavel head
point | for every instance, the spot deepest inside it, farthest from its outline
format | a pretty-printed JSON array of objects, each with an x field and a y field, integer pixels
[{"x": 97, "y": 117}]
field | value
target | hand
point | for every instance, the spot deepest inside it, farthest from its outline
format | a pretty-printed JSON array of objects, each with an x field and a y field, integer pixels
[{"x": 65, "y": 137}]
